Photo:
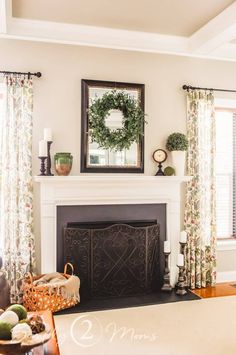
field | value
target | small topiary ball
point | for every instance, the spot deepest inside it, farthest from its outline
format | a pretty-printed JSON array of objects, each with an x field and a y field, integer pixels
[
  {"x": 9, "y": 317},
  {"x": 21, "y": 332},
  {"x": 177, "y": 141},
  {"x": 169, "y": 171},
  {"x": 19, "y": 310},
  {"x": 5, "y": 331}
]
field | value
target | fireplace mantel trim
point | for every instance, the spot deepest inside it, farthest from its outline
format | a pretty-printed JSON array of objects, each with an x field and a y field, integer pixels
[{"x": 107, "y": 189}]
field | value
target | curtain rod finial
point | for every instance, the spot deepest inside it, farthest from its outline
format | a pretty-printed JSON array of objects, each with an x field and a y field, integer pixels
[{"x": 38, "y": 74}]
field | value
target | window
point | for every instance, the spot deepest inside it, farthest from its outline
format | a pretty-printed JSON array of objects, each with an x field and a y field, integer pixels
[{"x": 225, "y": 172}]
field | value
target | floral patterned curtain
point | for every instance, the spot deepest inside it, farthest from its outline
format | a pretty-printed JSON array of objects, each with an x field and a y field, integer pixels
[
  {"x": 16, "y": 215},
  {"x": 200, "y": 219}
]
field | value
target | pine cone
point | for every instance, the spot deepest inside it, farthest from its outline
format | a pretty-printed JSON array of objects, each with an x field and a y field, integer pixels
[{"x": 36, "y": 324}]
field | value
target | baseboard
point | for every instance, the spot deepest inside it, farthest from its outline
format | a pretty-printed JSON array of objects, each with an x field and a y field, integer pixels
[{"x": 226, "y": 276}]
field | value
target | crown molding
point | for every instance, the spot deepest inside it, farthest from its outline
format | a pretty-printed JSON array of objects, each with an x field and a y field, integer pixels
[
  {"x": 228, "y": 50},
  {"x": 211, "y": 41}
]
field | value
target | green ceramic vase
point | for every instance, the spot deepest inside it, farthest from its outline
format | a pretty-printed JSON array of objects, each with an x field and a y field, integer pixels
[{"x": 63, "y": 163}]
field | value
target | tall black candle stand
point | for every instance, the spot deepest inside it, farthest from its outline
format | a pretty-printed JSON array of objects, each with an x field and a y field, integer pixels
[
  {"x": 182, "y": 251},
  {"x": 166, "y": 287},
  {"x": 180, "y": 287},
  {"x": 182, "y": 247},
  {"x": 49, "y": 164},
  {"x": 42, "y": 166}
]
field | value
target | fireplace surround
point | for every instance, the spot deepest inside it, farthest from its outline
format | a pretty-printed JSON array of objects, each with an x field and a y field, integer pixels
[{"x": 103, "y": 190}]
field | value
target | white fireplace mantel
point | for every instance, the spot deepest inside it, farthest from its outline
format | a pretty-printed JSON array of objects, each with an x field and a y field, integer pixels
[{"x": 107, "y": 189}]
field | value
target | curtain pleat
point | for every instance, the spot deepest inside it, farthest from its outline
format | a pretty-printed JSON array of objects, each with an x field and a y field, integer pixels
[
  {"x": 200, "y": 209},
  {"x": 16, "y": 185}
]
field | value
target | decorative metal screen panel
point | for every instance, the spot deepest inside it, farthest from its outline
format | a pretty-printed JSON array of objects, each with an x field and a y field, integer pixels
[{"x": 120, "y": 260}]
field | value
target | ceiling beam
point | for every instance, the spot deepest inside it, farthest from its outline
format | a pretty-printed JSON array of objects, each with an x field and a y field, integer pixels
[
  {"x": 54, "y": 32},
  {"x": 220, "y": 30},
  {"x": 211, "y": 41}
]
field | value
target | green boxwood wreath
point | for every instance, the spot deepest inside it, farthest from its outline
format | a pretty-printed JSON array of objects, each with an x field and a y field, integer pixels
[{"x": 133, "y": 121}]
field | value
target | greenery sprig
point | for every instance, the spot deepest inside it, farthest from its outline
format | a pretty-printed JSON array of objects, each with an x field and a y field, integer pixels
[{"x": 132, "y": 123}]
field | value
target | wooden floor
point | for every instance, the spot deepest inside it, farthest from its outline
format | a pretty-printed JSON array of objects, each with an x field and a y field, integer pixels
[{"x": 220, "y": 290}]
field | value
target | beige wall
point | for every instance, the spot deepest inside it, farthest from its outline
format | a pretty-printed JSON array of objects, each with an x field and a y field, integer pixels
[
  {"x": 226, "y": 260},
  {"x": 57, "y": 95}
]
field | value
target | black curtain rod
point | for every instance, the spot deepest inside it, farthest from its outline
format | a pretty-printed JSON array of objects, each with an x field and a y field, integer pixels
[
  {"x": 189, "y": 87},
  {"x": 38, "y": 74}
]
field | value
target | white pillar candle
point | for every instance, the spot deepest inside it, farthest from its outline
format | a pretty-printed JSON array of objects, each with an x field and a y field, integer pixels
[
  {"x": 183, "y": 237},
  {"x": 180, "y": 260},
  {"x": 47, "y": 134},
  {"x": 166, "y": 246},
  {"x": 43, "y": 149}
]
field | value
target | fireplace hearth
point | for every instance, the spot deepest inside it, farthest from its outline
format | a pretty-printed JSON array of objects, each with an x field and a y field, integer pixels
[{"x": 114, "y": 259}]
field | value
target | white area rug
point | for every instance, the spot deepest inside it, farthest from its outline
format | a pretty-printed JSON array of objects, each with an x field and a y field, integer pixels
[{"x": 202, "y": 327}]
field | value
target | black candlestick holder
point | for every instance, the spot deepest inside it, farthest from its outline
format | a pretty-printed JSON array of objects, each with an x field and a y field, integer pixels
[
  {"x": 159, "y": 171},
  {"x": 182, "y": 247},
  {"x": 180, "y": 287},
  {"x": 166, "y": 286},
  {"x": 42, "y": 166},
  {"x": 49, "y": 163},
  {"x": 182, "y": 251}
]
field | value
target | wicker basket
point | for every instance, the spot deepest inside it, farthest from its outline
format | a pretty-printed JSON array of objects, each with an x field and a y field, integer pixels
[{"x": 39, "y": 298}]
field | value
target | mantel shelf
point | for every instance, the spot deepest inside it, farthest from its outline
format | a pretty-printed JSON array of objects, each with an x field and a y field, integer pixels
[{"x": 112, "y": 178}]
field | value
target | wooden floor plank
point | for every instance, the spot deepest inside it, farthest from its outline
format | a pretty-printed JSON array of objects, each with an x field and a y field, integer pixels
[{"x": 220, "y": 290}]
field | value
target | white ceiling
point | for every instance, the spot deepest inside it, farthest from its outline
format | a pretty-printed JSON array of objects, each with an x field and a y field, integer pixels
[
  {"x": 172, "y": 17},
  {"x": 197, "y": 28}
]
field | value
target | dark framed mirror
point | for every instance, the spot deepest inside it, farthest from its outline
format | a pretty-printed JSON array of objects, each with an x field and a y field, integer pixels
[{"x": 96, "y": 156}]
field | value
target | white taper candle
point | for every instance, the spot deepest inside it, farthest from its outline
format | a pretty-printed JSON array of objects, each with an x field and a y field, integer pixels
[
  {"x": 47, "y": 134},
  {"x": 183, "y": 237},
  {"x": 166, "y": 246},
  {"x": 180, "y": 260}
]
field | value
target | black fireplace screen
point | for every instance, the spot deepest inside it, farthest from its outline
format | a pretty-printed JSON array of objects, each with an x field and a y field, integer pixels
[{"x": 114, "y": 260}]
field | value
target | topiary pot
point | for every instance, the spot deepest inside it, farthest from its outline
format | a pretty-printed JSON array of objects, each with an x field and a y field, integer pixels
[{"x": 178, "y": 162}]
